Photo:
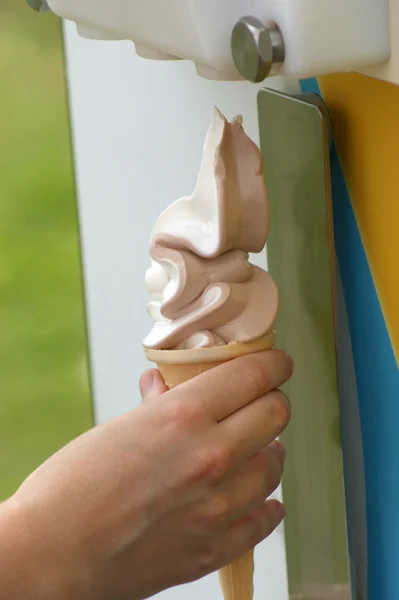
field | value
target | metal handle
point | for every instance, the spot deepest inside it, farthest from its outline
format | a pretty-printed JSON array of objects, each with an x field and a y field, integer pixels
[
  {"x": 257, "y": 48},
  {"x": 294, "y": 139}
]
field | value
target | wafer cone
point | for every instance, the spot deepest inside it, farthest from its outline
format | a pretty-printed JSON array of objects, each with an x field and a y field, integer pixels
[{"x": 178, "y": 366}]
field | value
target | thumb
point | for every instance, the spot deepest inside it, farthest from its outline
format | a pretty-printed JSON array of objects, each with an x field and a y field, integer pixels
[{"x": 152, "y": 385}]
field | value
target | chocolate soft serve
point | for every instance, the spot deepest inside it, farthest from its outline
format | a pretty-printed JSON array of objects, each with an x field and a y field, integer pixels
[{"x": 207, "y": 292}]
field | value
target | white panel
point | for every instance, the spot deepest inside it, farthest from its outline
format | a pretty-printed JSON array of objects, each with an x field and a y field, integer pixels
[
  {"x": 138, "y": 131},
  {"x": 320, "y": 35},
  {"x": 390, "y": 70}
]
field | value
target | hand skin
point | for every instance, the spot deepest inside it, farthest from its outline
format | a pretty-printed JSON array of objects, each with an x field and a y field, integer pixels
[{"x": 160, "y": 496}]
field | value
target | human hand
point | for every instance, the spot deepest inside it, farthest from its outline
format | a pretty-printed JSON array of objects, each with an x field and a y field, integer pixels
[{"x": 164, "y": 494}]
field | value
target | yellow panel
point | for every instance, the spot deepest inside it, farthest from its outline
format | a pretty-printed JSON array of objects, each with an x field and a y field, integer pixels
[{"x": 365, "y": 113}]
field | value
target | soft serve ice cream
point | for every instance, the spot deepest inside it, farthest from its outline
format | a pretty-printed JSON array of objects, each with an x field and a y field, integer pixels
[{"x": 207, "y": 292}]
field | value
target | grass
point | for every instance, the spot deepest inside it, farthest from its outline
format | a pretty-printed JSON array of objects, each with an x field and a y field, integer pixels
[{"x": 44, "y": 395}]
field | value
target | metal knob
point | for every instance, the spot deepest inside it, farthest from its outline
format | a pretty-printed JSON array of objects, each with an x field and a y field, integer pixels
[
  {"x": 39, "y": 5},
  {"x": 257, "y": 48}
]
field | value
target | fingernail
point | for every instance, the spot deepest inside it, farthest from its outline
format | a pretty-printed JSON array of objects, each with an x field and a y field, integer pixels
[
  {"x": 151, "y": 380},
  {"x": 147, "y": 382}
]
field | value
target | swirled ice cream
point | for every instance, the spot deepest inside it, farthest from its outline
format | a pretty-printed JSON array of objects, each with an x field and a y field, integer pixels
[{"x": 207, "y": 292}]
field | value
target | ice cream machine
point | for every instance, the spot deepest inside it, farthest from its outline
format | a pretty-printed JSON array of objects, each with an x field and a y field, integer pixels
[{"x": 330, "y": 150}]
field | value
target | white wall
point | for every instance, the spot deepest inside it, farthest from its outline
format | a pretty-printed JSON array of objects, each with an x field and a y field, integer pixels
[{"x": 138, "y": 131}]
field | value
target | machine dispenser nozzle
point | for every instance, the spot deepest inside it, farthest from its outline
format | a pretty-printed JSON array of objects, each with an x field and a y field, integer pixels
[{"x": 257, "y": 48}]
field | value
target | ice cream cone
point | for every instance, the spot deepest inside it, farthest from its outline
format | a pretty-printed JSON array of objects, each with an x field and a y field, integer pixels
[
  {"x": 178, "y": 366},
  {"x": 237, "y": 579}
]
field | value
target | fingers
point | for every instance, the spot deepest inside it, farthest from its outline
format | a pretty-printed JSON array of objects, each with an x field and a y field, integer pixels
[
  {"x": 223, "y": 390},
  {"x": 248, "y": 431},
  {"x": 250, "y": 531},
  {"x": 152, "y": 385},
  {"x": 248, "y": 488}
]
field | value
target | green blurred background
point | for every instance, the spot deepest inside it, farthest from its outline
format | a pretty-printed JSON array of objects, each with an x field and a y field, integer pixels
[{"x": 44, "y": 392}]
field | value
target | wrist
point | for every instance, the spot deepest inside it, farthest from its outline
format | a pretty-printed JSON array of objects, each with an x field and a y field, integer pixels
[
  {"x": 15, "y": 554},
  {"x": 30, "y": 567}
]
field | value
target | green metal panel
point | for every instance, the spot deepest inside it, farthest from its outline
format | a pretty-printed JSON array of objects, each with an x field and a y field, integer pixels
[{"x": 294, "y": 132}]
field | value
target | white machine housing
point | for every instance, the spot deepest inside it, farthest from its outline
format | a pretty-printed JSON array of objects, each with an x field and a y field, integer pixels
[{"x": 320, "y": 36}]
